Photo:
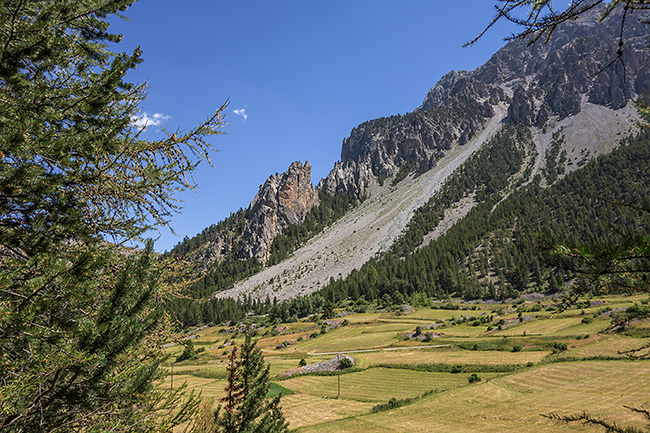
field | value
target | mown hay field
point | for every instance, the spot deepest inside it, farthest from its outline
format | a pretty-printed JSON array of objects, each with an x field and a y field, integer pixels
[
  {"x": 378, "y": 384},
  {"x": 551, "y": 362},
  {"x": 515, "y": 402}
]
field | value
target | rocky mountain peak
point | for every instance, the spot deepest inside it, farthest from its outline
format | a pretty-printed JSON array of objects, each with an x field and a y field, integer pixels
[
  {"x": 573, "y": 81},
  {"x": 284, "y": 199},
  {"x": 535, "y": 83}
]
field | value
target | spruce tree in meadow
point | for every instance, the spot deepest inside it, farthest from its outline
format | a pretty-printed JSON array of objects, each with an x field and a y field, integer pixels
[{"x": 245, "y": 407}]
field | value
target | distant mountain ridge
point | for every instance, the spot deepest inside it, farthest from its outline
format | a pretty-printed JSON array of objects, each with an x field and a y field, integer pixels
[
  {"x": 556, "y": 89},
  {"x": 538, "y": 83}
]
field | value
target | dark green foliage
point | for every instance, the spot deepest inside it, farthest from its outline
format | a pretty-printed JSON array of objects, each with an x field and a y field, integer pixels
[
  {"x": 188, "y": 353},
  {"x": 621, "y": 263},
  {"x": 231, "y": 228},
  {"x": 246, "y": 408},
  {"x": 456, "y": 368},
  {"x": 190, "y": 311},
  {"x": 622, "y": 319},
  {"x": 345, "y": 363},
  {"x": 559, "y": 347},
  {"x": 328, "y": 310},
  {"x": 404, "y": 171},
  {"x": 473, "y": 378},
  {"x": 80, "y": 317},
  {"x": 302, "y": 362},
  {"x": 555, "y": 159},
  {"x": 298, "y": 307},
  {"x": 516, "y": 348},
  {"x": 394, "y": 403}
]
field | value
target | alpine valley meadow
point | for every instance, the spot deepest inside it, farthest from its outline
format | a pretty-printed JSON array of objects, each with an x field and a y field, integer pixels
[
  {"x": 481, "y": 263},
  {"x": 483, "y": 259}
]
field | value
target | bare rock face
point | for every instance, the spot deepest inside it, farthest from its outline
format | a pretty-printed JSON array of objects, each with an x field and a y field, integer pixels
[
  {"x": 284, "y": 199},
  {"x": 578, "y": 64},
  {"x": 413, "y": 142},
  {"x": 537, "y": 83},
  {"x": 330, "y": 365}
]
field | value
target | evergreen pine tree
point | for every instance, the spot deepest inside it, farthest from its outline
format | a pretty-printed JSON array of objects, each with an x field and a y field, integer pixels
[
  {"x": 245, "y": 407},
  {"x": 80, "y": 314}
]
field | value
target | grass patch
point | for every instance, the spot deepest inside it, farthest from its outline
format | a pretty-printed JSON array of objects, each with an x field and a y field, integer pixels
[
  {"x": 378, "y": 385},
  {"x": 276, "y": 389},
  {"x": 592, "y": 374},
  {"x": 514, "y": 402}
]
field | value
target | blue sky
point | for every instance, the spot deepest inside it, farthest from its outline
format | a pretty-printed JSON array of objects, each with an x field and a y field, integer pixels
[{"x": 299, "y": 75}]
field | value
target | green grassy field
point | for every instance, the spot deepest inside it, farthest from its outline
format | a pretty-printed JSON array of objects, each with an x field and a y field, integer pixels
[
  {"x": 524, "y": 368},
  {"x": 515, "y": 402},
  {"x": 378, "y": 384}
]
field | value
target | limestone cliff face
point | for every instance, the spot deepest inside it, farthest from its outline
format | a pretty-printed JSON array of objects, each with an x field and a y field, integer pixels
[
  {"x": 536, "y": 83},
  {"x": 381, "y": 147},
  {"x": 284, "y": 199}
]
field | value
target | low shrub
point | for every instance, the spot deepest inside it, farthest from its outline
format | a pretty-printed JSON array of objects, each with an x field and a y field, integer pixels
[
  {"x": 559, "y": 347},
  {"x": 345, "y": 363},
  {"x": 456, "y": 368},
  {"x": 473, "y": 378}
]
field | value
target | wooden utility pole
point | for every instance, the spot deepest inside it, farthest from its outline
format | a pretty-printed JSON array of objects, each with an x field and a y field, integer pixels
[
  {"x": 172, "y": 386},
  {"x": 338, "y": 358}
]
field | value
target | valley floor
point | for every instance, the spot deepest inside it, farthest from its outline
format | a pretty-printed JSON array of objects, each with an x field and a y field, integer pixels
[{"x": 540, "y": 362}]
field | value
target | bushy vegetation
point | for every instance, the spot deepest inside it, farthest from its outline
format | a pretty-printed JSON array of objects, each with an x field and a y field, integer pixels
[
  {"x": 394, "y": 403},
  {"x": 81, "y": 323}
]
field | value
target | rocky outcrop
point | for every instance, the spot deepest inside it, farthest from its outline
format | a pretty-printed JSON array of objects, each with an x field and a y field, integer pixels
[
  {"x": 325, "y": 366},
  {"x": 415, "y": 142},
  {"x": 284, "y": 199},
  {"x": 578, "y": 64}
]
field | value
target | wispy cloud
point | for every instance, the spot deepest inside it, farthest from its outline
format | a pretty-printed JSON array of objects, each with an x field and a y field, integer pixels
[
  {"x": 241, "y": 112},
  {"x": 146, "y": 120}
]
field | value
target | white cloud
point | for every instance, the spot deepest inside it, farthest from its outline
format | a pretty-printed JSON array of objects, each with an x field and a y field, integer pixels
[
  {"x": 241, "y": 112},
  {"x": 147, "y": 120}
]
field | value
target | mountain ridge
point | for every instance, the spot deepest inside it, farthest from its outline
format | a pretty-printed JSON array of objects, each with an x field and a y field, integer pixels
[{"x": 558, "y": 89}]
